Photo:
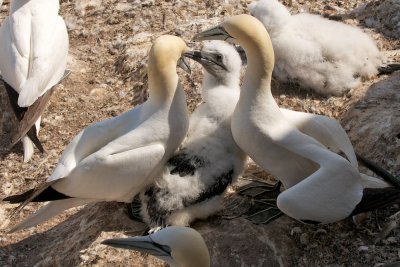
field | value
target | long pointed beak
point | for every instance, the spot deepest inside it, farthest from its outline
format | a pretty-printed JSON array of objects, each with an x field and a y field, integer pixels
[
  {"x": 139, "y": 243},
  {"x": 215, "y": 33},
  {"x": 204, "y": 58},
  {"x": 184, "y": 64}
]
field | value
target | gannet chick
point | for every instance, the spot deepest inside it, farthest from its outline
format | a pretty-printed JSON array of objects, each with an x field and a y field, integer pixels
[
  {"x": 321, "y": 186},
  {"x": 115, "y": 159},
  {"x": 33, "y": 57},
  {"x": 327, "y": 56},
  {"x": 193, "y": 181},
  {"x": 177, "y": 246}
]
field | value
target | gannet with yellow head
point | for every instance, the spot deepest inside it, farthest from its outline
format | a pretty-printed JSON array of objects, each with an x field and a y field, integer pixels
[
  {"x": 178, "y": 246},
  {"x": 321, "y": 186},
  {"x": 115, "y": 159},
  {"x": 33, "y": 57}
]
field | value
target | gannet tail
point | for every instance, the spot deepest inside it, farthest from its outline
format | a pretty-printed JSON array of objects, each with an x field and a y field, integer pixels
[
  {"x": 50, "y": 210},
  {"x": 388, "y": 177},
  {"x": 26, "y": 124},
  {"x": 376, "y": 198}
]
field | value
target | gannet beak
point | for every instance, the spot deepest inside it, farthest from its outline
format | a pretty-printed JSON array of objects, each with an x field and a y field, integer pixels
[
  {"x": 215, "y": 33},
  {"x": 140, "y": 243},
  {"x": 206, "y": 58},
  {"x": 184, "y": 64}
]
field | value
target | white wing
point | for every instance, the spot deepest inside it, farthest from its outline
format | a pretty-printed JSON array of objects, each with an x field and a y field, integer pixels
[
  {"x": 14, "y": 55},
  {"x": 118, "y": 176},
  {"x": 92, "y": 139},
  {"x": 325, "y": 130},
  {"x": 48, "y": 58},
  {"x": 327, "y": 195}
]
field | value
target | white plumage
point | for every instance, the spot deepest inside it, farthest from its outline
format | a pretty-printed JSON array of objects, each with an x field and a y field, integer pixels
[
  {"x": 321, "y": 186},
  {"x": 33, "y": 52},
  {"x": 327, "y": 56},
  {"x": 192, "y": 183},
  {"x": 115, "y": 159},
  {"x": 178, "y": 246}
]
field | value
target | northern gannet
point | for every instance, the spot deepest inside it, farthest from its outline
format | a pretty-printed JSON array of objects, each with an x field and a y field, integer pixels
[
  {"x": 33, "y": 57},
  {"x": 321, "y": 186},
  {"x": 177, "y": 246},
  {"x": 115, "y": 159},
  {"x": 327, "y": 56},
  {"x": 193, "y": 181}
]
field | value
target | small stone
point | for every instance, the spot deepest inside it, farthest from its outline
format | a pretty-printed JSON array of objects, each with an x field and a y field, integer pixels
[
  {"x": 321, "y": 231},
  {"x": 362, "y": 248},
  {"x": 304, "y": 240},
  {"x": 296, "y": 230}
]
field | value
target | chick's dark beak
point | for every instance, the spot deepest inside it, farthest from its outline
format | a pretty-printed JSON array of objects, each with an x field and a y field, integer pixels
[{"x": 206, "y": 58}]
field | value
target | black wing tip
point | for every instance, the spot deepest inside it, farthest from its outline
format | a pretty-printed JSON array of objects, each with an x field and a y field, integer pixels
[
  {"x": 49, "y": 194},
  {"x": 377, "y": 198},
  {"x": 14, "y": 199}
]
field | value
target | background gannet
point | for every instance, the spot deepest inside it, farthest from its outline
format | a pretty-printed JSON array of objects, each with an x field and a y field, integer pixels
[
  {"x": 327, "y": 56},
  {"x": 321, "y": 186},
  {"x": 193, "y": 181},
  {"x": 178, "y": 246},
  {"x": 33, "y": 58},
  {"x": 115, "y": 159}
]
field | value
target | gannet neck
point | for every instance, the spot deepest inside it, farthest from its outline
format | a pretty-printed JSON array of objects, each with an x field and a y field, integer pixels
[
  {"x": 163, "y": 58},
  {"x": 163, "y": 81},
  {"x": 250, "y": 33}
]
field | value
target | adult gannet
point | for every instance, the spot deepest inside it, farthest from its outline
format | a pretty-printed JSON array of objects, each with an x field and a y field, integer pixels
[
  {"x": 33, "y": 58},
  {"x": 115, "y": 159},
  {"x": 321, "y": 186},
  {"x": 178, "y": 246},
  {"x": 193, "y": 181},
  {"x": 327, "y": 56}
]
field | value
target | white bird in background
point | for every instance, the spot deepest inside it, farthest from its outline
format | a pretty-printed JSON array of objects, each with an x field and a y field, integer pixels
[
  {"x": 115, "y": 159},
  {"x": 327, "y": 56},
  {"x": 33, "y": 57},
  {"x": 321, "y": 186},
  {"x": 178, "y": 246},
  {"x": 195, "y": 178}
]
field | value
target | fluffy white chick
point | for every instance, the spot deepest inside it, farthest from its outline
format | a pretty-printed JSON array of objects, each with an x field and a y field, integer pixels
[{"x": 326, "y": 56}]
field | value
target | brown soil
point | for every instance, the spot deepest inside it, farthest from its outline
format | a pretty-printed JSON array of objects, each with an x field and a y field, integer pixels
[{"x": 109, "y": 40}]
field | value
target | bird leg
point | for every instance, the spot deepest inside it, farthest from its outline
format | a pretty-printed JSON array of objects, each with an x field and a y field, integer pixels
[
  {"x": 133, "y": 209},
  {"x": 263, "y": 208}
]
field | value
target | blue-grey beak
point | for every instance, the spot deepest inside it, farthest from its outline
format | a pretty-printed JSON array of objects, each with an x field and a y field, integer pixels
[
  {"x": 184, "y": 64},
  {"x": 140, "y": 243},
  {"x": 215, "y": 33}
]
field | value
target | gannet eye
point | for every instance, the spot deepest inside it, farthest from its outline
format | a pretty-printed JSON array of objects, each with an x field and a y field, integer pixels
[{"x": 219, "y": 57}]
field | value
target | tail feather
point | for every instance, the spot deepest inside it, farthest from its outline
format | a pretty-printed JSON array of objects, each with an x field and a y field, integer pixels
[
  {"x": 376, "y": 198},
  {"x": 49, "y": 194},
  {"x": 50, "y": 210},
  {"x": 34, "y": 194},
  {"x": 388, "y": 177}
]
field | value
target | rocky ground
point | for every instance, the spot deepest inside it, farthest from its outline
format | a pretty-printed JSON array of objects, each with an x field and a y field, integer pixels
[{"x": 109, "y": 40}]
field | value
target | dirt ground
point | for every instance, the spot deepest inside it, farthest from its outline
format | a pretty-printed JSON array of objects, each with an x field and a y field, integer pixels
[{"x": 109, "y": 41}]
